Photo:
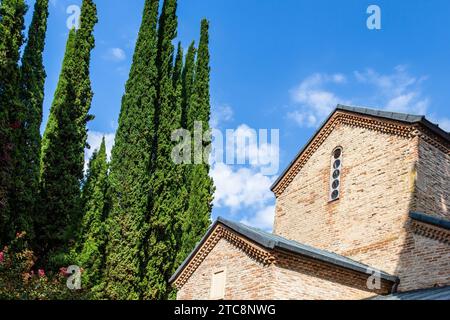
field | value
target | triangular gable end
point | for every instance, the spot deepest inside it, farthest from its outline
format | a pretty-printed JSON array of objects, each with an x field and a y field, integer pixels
[{"x": 399, "y": 124}]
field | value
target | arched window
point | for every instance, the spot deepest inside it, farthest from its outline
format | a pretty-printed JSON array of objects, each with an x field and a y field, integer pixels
[{"x": 336, "y": 173}]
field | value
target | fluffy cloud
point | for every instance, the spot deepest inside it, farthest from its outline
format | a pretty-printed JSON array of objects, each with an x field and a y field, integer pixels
[
  {"x": 316, "y": 95},
  {"x": 314, "y": 100},
  {"x": 238, "y": 188}
]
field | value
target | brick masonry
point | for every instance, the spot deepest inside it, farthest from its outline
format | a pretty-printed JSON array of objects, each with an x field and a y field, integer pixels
[
  {"x": 384, "y": 177},
  {"x": 290, "y": 278}
]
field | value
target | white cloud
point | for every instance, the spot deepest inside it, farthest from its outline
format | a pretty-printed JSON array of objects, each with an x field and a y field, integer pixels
[
  {"x": 220, "y": 114},
  {"x": 238, "y": 188},
  {"x": 115, "y": 54},
  {"x": 314, "y": 100},
  {"x": 94, "y": 140},
  {"x": 398, "y": 91},
  {"x": 262, "y": 219}
]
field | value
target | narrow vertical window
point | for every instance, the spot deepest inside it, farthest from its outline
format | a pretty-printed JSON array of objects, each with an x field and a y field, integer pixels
[
  {"x": 218, "y": 285},
  {"x": 336, "y": 172}
]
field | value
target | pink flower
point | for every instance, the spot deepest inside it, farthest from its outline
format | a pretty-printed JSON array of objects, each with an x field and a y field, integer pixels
[
  {"x": 63, "y": 271},
  {"x": 41, "y": 273},
  {"x": 2, "y": 256}
]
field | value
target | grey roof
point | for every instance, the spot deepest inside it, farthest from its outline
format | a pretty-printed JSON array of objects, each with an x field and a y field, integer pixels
[
  {"x": 402, "y": 117},
  {"x": 442, "y": 293},
  {"x": 426, "y": 218},
  {"x": 272, "y": 241}
]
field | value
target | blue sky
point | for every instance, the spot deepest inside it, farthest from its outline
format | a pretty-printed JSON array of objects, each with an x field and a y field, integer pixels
[{"x": 276, "y": 65}]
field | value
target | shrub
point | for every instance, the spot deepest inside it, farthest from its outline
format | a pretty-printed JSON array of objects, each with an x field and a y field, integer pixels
[{"x": 19, "y": 280}]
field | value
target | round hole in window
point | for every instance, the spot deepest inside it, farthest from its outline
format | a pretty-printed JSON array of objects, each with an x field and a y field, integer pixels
[
  {"x": 335, "y": 195},
  {"x": 337, "y": 153},
  {"x": 335, "y": 184},
  {"x": 336, "y": 174},
  {"x": 337, "y": 164}
]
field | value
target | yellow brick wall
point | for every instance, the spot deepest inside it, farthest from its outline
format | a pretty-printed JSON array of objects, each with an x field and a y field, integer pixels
[{"x": 383, "y": 179}]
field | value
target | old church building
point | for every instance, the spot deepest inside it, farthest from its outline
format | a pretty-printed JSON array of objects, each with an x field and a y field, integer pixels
[{"x": 363, "y": 211}]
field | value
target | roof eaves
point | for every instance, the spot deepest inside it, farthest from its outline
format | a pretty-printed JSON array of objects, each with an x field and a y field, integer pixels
[{"x": 425, "y": 218}]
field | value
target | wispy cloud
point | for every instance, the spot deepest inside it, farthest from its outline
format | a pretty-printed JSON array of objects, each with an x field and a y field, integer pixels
[
  {"x": 398, "y": 91},
  {"x": 115, "y": 54},
  {"x": 263, "y": 219},
  {"x": 316, "y": 96},
  {"x": 221, "y": 114}
]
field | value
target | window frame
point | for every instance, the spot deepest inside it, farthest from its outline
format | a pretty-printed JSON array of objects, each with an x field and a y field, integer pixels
[{"x": 331, "y": 190}]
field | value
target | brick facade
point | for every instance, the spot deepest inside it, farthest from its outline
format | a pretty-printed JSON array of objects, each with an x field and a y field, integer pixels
[
  {"x": 290, "y": 278},
  {"x": 385, "y": 176},
  {"x": 389, "y": 169}
]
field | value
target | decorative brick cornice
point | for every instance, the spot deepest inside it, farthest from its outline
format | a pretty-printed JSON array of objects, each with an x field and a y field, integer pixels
[
  {"x": 430, "y": 231},
  {"x": 350, "y": 119},
  {"x": 222, "y": 232}
]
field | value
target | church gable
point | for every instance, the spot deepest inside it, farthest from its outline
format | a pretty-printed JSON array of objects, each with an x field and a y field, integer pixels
[{"x": 401, "y": 125}]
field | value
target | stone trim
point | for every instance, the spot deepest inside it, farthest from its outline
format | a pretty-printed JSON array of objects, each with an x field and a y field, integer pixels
[
  {"x": 430, "y": 231},
  {"x": 340, "y": 117},
  {"x": 259, "y": 254}
]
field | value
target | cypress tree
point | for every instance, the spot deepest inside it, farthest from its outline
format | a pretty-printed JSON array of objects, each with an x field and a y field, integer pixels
[
  {"x": 62, "y": 158},
  {"x": 11, "y": 110},
  {"x": 93, "y": 236},
  {"x": 26, "y": 177},
  {"x": 197, "y": 218},
  {"x": 188, "y": 86},
  {"x": 166, "y": 203},
  {"x": 131, "y": 165},
  {"x": 177, "y": 72}
]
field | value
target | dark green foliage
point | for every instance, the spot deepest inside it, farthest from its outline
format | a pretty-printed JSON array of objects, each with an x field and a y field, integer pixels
[
  {"x": 166, "y": 203},
  {"x": 196, "y": 219},
  {"x": 188, "y": 86},
  {"x": 63, "y": 144},
  {"x": 93, "y": 236},
  {"x": 11, "y": 109},
  {"x": 26, "y": 172},
  {"x": 131, "y": 165}
]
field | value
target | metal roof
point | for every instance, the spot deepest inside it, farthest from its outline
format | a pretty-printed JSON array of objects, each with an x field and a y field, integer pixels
[
  {"x": 426, "y": 218},
  {"x": 402, "y": 117},
  {"x": 272, "y": 241},
  {"x": 442, "y": 293}
]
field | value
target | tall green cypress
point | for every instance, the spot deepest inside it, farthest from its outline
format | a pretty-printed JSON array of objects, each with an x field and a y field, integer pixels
[
  {"x": 166, "y": 204},
  {"x": 188, "y": 86},
  {"x": 178, "y": 70},
  {"x": 131, "y": 164},
  {"x": 62, "y": 156},
  {"x": 26, "y": 175},
  {"x": 93, "y": 237},
  {"x": 196, "y": 220},
  {"x": 11, "y": 110}
]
